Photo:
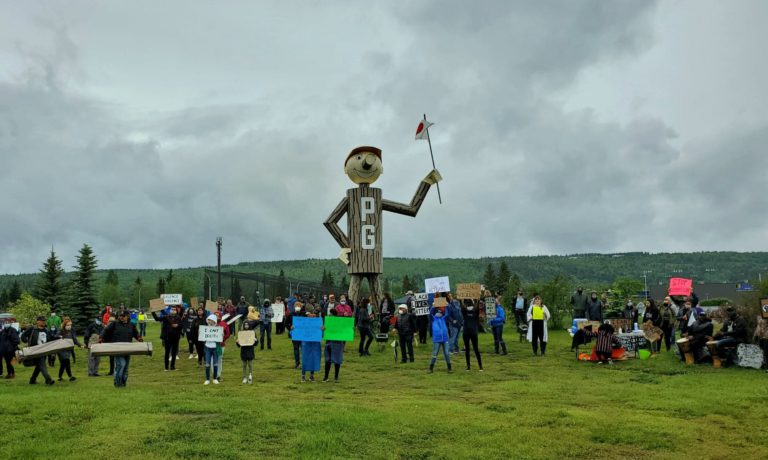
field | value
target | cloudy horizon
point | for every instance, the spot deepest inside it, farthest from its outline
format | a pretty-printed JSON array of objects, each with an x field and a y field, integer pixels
[{"x": 146, "y": 130}]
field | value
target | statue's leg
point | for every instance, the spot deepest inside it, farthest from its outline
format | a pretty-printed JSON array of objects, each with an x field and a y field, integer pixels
[
  {"x": 376, "y": 294},
  {"x": 354, "y": 287}
]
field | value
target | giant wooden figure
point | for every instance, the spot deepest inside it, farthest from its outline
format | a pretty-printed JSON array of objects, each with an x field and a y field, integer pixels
[{"x": 361, "y": 250}]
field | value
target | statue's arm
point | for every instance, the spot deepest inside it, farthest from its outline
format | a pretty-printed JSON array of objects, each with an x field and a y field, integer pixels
[
  {"x": 332, "y": 223},
  {"x": 408, "y": 209}
]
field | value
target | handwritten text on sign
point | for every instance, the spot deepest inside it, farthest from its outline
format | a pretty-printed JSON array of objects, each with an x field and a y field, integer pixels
[
  {"x": 680, "y": 286},
  {"x": 171, "y": 299},
  {"x": 210, "y": 334},
  {"x": 490, "y": 308},
  {"x": 421, "y": 307}
]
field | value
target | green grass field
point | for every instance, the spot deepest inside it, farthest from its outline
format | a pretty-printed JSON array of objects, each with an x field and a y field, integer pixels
[{"x": 521, "y": 407}]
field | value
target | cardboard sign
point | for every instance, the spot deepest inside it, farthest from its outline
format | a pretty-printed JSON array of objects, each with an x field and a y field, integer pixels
[
  {"x": 234, "y": 319},
  {"x": 156, "y": 305},
  {"x": 307, "y": 329},
  {"x": 339, "y": 328},
  {"x": 193, "y": 303},
  {"x": 680, "y": 286},
  {"x": 490, "y": 308},
  {"x": 246, "y": 338},
  {"x": 210, "y": 334},
  {"x": 468, "y": 291},
  {"x": 764, "y": 307},
  {"x": 278, "y": 311},
  {"x": 440, "y": 284},
  {"x": 171, "y": 299},
  {"x": 440, "y": 302},
  {"x": 211, "y": 306}
]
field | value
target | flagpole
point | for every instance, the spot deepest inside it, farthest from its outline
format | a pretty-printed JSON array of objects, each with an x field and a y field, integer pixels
[{"x": 440, "y": 199}]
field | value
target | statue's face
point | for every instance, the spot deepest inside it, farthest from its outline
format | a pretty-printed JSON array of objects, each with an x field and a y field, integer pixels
[{"x": 364, "y": 168}]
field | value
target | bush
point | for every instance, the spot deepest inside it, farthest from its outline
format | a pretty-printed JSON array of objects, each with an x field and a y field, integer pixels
[
  {"x": 716, "y": 302},
  {"x": 28, "y": 308}
]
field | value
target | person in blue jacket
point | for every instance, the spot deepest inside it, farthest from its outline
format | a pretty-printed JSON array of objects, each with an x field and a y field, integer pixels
[
  {"x": 455, "y": 321},
  {"x": 497, "y": 326},
  {"x": 439, "y": 338}
]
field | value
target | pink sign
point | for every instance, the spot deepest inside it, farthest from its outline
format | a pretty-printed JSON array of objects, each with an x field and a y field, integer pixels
[{"x": 680, "y": 286}]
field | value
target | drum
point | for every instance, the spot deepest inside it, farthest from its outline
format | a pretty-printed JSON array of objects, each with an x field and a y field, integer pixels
[
  {"x": 712, "y": 347},
  {"x": 685, "y": 349}
]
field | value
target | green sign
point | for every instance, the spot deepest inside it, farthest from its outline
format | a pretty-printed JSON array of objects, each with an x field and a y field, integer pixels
[{"x": 339, "y": 328}]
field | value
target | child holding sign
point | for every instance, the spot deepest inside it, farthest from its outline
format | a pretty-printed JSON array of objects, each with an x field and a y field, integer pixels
[
  {"x": 246, "y": 340},
  {"x": 211, "y": 354}
]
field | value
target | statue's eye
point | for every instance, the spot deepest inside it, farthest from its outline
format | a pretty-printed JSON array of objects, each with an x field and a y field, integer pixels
[{"x": 359, "y": 157}]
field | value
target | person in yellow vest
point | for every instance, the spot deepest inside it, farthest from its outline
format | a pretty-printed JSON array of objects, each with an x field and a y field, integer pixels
[
  {"x": 142, "y": 322},
  {"x": 538, "y": 315}
]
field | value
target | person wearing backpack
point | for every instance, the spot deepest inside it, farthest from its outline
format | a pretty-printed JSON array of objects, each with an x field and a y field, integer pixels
[{"x": 471, "y": 321}]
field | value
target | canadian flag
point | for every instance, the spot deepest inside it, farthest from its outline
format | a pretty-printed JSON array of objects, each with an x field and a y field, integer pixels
[{"x": 422, "y": 129}]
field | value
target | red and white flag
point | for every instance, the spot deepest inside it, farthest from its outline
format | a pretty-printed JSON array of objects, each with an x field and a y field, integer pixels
[{"x": 422, "y": 129}]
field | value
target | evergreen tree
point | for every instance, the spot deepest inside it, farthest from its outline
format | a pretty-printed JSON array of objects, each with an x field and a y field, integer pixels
[
  {"x": 502, "y": 279},
  {"x": 84, "y": 306},
  {"x": 282, "y": 285},
  {"x": 489, "y": 278},
  {"x": 237, "y": 291},
  {"x": 137, "y": 293},
  {"x": 407, "y": 284},
  {"x": 14, "y": 293},
  {"x": 331, "y": 282},
  {"x": 169, "y": 278},
  {"x": 110, "y": 292},
  {"x": 4, "y": 298},
  {"x": 386, "y": 286},
  {"x": 49, "y": 286},
  {"x": 161, "y": 286},
  {"x": 343, "y": 286}
]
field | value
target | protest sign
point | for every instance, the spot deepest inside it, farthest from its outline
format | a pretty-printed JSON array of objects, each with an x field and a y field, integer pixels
[
  {"x": 490, "y": 308},
  {"x": 234, "y": 319},
  {"x": 440, "y": 284},
  {"x": 307, "y": 329},
  {"x": 211, "y": 306},
  {"x": 680, "y": 286},
  {"x": 171, "y": 299},
  {"x": 468, "y": 291},
  {"x": 440, "y": 302},
  {"x": 193, "y": 303},
  {"x": 339, "y": 328},
  {"x": 156, "y": 304},
  {"x": 421, "y": 307},
  {"x": 210, "y": 334},
  {"x": 764, "y": 307},
  {"x": 246, "y": 338},
  {"x": 278, "y": 311}
]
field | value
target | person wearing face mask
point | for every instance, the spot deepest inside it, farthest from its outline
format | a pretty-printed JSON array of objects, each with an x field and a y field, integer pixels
[
  {"x": 363, "y": 318},
  {"x": 471, "y": 320},
  {"x": 538, "y": 315},
  {"x": 212, "y": 349},
  {"x": 170, "y": 334},
  {"x": 266, "y": 313},
  {"x": 386, "y": 310},
  {"x": 344, "y": 308},
  {"x": 630, "y": 312},
  {"x": 594, "y": 308},
  {"x": 121, "y": 331},
  {"x": 439, "y": 338},
  {"x": 405, "y": 327},
  {"x": 64, "y": 356},
  {"x": 666, "y": 322},
  {"x": 189, "y": 320},
  {"x": 497, "y": 327},
  {"x": 9, "y": 342},
  {"x": 520, "y": 305},
  {"x": 455, "y": 319},
  {"x": 38, "y": 335},
  {"x": 732, "y": 333},
  {"x": 53, "y": 323},
  {"x": 193, "y": 334},
  {"x": 91, "y": 337},
  {"x": 579, "y": 303},
  {"x": 298, "y": 311}
]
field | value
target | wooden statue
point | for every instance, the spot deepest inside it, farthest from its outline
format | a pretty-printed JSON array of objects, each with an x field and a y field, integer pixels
[{"x": 361, "y": 249}]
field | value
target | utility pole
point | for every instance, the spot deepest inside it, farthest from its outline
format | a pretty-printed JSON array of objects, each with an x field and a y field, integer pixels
[{"x": 218, "y": 266}]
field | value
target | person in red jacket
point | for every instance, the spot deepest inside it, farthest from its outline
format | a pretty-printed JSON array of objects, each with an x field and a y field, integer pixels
[
  {"x": 224, "y": 325},
  {"x": 105, "y": 316}
]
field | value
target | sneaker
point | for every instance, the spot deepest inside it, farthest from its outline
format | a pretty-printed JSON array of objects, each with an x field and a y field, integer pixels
[
  {"x": 190, "y": 356},
  {"x": 166, "y": 370},
  {"x": 207, "y": 382},
  {"x": 245, "y": 380},
  {"x": 50, "y": 382},
  {"x": 215, "y": 382},
  {"x": 335, "y": 380},
  {"x": 60, "y": 379},
  {"x": 177, "y": 357},
  {"x": 297, "y": 365},
  {"x": 303, "y": 379},
  {"x": 311, "y": 378},
  {"x": 481, "y": 369},
  {"x": 325, "y": 379},
  {"x": 250, "y": 380},
  {"x": 72, "y": 379}
]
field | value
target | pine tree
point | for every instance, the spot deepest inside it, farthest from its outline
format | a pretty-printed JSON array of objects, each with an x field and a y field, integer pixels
[
  {"x": 407, "y": 284},
  {"x": 14, "y": 293},
  {"x": 4, "y": 298},
  {"x": 161, "y": 285},
  {"x": 331, "y": 282},
  {"x": 343, "y": 285},
  {"x": 386, "y": 286},
  {"x": 84, "y": 307},
  {"x": 282, "y": 284},
  {"x": 237, "y": 291},
  {"x": 137, "y": 293},
  {"x": 489, "y": 277},
  {"x": 169, "y": 278},
  {"x": 49, "y": 286},
  {"x": 502, "y": 278},
  {"x": 110, "y": 292}
]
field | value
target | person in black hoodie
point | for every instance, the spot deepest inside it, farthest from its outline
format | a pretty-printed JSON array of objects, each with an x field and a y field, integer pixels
[
  {"x": 121, "y": 331},
  {"x": 405, "y": 326},
  {"x": 732, "y": 333},
  {"x": 38, "y": 335},
  {"x": 471, "y": 321},
  {"x": 190, "y": 321},
  {"x": 67, "y": 332},
  {"x": 363, "y": 319},
  {"x": 170, "y": 334},
  {"x": 193, "y": 335},
  {"x": 91, "y": 336},
  {"x": 9, "y": 342}
]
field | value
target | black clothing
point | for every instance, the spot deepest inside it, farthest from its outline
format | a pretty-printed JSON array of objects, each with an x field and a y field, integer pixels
[{"x": 117, "y": 332}]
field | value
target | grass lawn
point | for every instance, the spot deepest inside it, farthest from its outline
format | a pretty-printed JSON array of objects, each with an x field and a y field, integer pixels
[{"x": 521, "y": 407}]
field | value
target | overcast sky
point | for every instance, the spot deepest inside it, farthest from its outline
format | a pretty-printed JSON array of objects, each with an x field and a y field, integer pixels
[{"x": 147, "y": 129}]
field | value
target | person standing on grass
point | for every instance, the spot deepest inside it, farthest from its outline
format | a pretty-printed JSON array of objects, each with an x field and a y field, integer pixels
[
  {"x": 38, "y": 335},
  {"x": 247, "y": 353},
  {"x": 212, "y": 352},
  {"x": 229, "y": 309},
  {"x": 142, "y": 322},
  {"x": 193, "y": 334},
  {"x": 298, "y": 311},
  {"x": 222, "y": 346},
  {"x": 310, "y": 355},
  {"x": 386, "y": 311},
  {"x": 594, "y": 309},
  {"x": 363, "y": 318},
  {"x": 405, "y": 327},
  {"x": 112, "y": 318},
  {"x": 242, "y": 311},
  {"x": 344, "y": 307},
  {"x": 521, "y": 304},
  {"x": 9, "y": 342},
  {"x": 665, "y": 320},
  {"x": 455, "y": 321},
  {"x": 64, "y": 356},
  {"x": 471, "y": 321},
  {"x": 188, "y": 320},
  {"x": 578, "y": 302},
  {"x": 497, "y": 327},
  {"x": 121, "y": 331},
  {"x": 266, "y": 313},
  {"x": 91, "y": 337},
  {"x": 439, "y": 338},
  {"x": 172, "y": 328},
  {"x": 537, "y": 316},
  {"x": 334, "y": 353}
]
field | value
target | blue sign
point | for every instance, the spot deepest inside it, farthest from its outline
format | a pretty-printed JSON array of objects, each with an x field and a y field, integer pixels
[
  {"x": 744, "y": 287},
  {"x": 307, "y": 329}
]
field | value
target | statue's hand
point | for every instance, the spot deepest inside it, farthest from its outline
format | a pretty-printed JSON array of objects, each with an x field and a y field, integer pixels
[
  {"x": 433, "y": 177},
  {"x": 344, "y": 255}
]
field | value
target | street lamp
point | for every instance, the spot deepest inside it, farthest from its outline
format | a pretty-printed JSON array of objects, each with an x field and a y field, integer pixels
[
  {"x": 645, "y": 282},
  {"x": 218, "y": 266},
  {"x": 209, "y": 284}
]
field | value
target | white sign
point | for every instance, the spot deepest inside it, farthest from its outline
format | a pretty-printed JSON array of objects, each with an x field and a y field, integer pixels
[
  {"x": 421, "y": 311},
  {"x": 278, "y": 312},
  {"x": 16, "y": 326},
  {"x": 421, "y": 307},
  {"x": 210, "y": 334},
  {"x": 171, "y": 299},
  {"x": 234, "y": 319},
  {"x": 490, "y": 308},
  {"x": 440, "y": 284}
]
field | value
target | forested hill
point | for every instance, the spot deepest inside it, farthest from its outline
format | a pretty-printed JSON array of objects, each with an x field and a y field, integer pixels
[{"x": 595, "y": 269}]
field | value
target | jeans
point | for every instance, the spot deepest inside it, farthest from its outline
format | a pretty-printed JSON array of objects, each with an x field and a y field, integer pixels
[
  {"x": 498, "y": 336},
  {"x": 65, "y": 366},
  {"x": 406, "y": 344},
  {"x": 669, "y": 337},
  {"x": 121, "y": 370},
  {"x": 142, "y": 329},
  {"x": 297, "y": 352},
  {"x": 219, "y": 363},
  {"x": 268, "y": 329},
  {"x": 40, "y": 368},
  {"x": 453, "y": 341},
  {"x": 211, "y": 360},
  {"x": 93, "y": 364},
  {"x": 722, "y": 344},
  {"x": 365, "y": 333},
  {"x": 436, "y": 349}
]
